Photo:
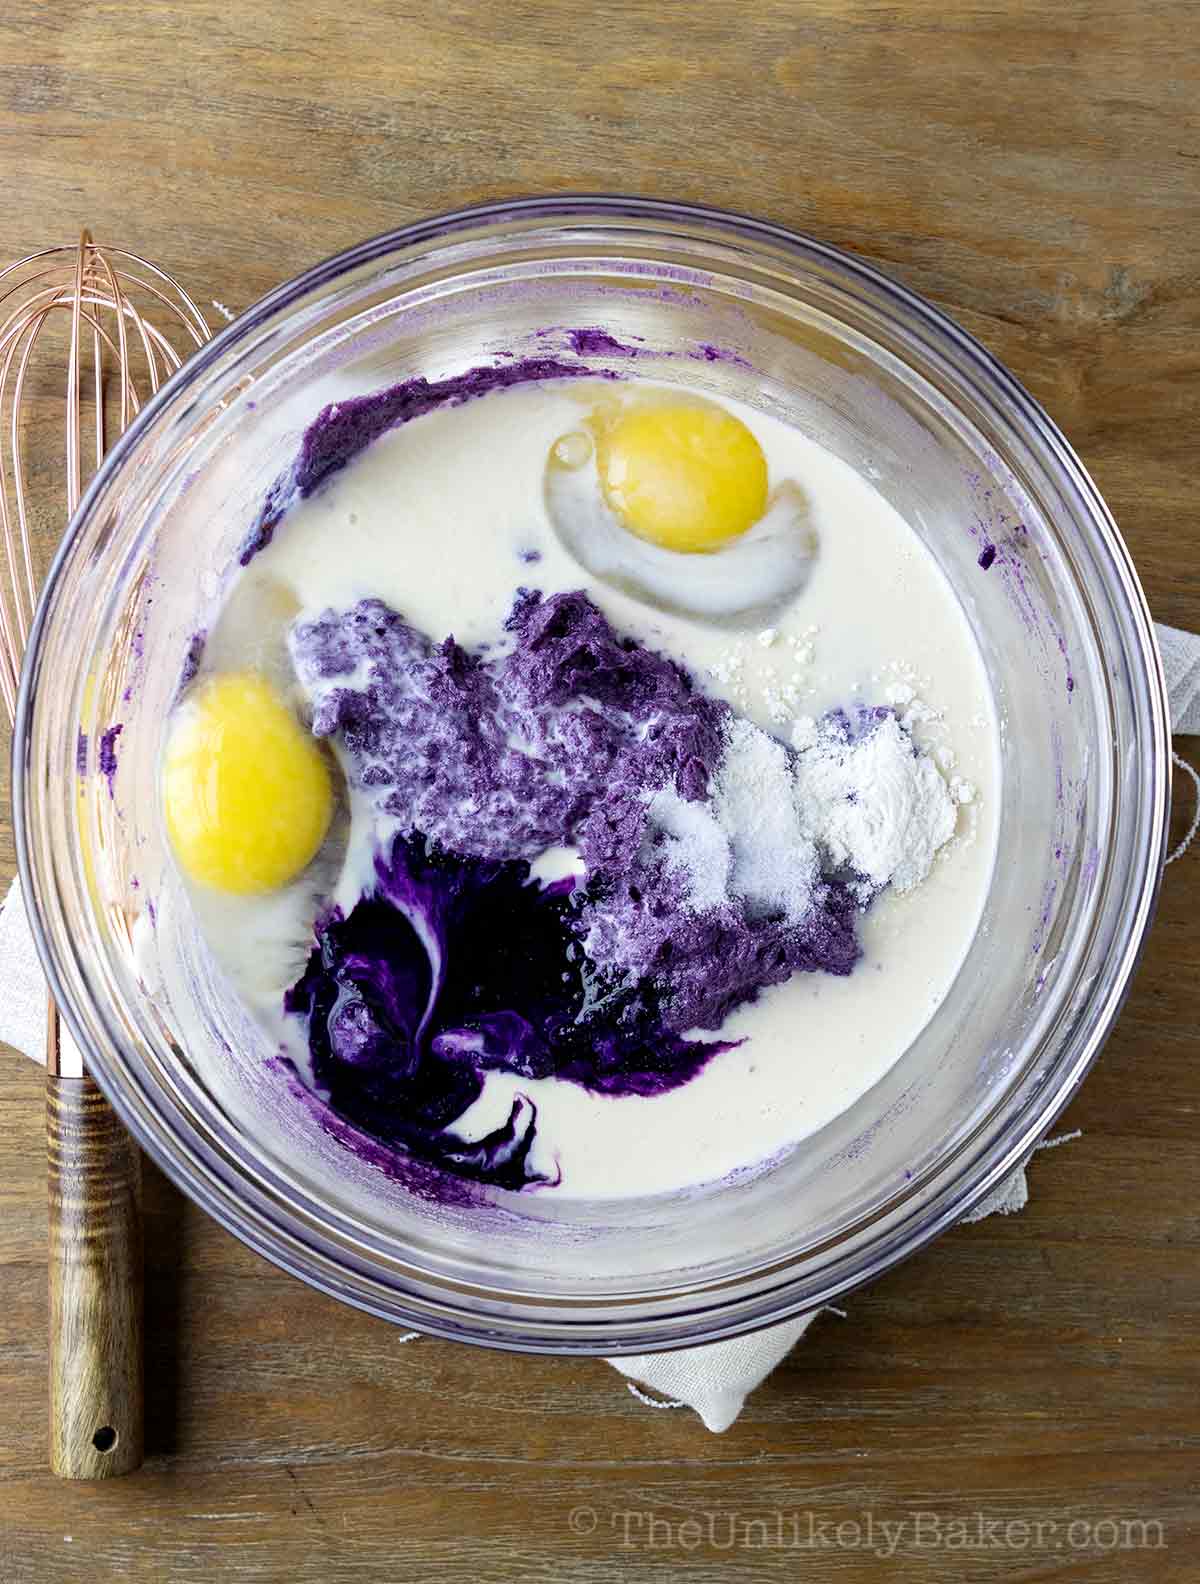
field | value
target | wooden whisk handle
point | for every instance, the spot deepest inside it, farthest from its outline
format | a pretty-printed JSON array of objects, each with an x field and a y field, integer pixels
[{"x": 96, "y": 1285}]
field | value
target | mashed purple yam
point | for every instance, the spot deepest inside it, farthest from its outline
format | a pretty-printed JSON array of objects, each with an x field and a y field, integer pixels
[
  {"x": 555, "y": 741},
  {"x": 473, "y": 764}
]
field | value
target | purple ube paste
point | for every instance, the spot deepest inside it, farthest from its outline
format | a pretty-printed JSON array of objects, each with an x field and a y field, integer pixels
[
  {"x": 107, "y": 756},
  {"x": 455, "y": 962},
  {"x": 271, "y": 513},
  {"x": 193, "y": 657},
  {"x": 591, "y": 341},
  {"x": 341, "y": 431},
  {"x": 402, "y": 1035}
]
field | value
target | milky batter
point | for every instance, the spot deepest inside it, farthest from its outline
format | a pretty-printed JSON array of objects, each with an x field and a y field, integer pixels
[{"x": 833, "y": 605}]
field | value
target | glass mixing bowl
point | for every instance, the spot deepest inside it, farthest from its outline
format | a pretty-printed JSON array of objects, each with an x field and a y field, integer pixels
[{"x": 968, "y": 459}]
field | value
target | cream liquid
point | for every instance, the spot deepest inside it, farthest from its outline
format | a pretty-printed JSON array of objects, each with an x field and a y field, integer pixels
[{"x": 435, "y": 519}]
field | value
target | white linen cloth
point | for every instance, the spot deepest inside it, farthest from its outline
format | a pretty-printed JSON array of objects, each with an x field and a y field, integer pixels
[
  {"x": 716, "y": 1379},
  {"x": 1181, "y": 662}
]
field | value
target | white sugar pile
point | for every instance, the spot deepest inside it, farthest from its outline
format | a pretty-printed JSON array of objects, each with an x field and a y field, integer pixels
[
  {"x": 695, "y": 844},
  {"x": 747, "y": 839},
  {"x": 775, "y": 819}
]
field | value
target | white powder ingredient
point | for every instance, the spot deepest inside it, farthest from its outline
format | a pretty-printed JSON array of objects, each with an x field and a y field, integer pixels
[
  {"x": 919, "y": 714},
  {"x": 775, "y": 866},
  {"x": 804, "y": 732},
  {"x": 746, "y": 840},
  {"x": 874, "y": 806},
  {"x": 774, "y": 820},
  {"x": 727, "y": 668},
  {"x": 696, "y": 844}
]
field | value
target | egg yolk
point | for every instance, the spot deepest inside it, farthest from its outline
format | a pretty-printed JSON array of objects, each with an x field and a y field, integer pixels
[
  {"x": 246, "y": 790},
  {"x": 685, "y": 475}
]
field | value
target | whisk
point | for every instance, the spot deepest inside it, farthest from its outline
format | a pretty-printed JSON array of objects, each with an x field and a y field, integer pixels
[{"x": 117, "y": 326}]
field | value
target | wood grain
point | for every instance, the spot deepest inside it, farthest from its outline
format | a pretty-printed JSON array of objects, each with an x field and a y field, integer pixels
[
  {"x": 94, "y": 1346},
  {"x": 1036, "y": 171}
]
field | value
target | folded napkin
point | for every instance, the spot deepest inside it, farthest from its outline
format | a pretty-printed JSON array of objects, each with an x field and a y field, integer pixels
[
  {"x": 716, "y": 1379},
  {"x": 1181, "y": 663}
]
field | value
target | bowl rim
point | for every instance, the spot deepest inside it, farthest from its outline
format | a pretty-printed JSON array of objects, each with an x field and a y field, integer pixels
[{"x": 1037, "y": 1112}]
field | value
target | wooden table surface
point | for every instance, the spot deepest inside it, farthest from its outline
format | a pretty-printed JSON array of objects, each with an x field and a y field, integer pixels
[{"x": 1035, "y": 170}]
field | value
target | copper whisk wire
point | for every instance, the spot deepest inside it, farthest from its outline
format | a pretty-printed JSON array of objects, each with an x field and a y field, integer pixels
[{"x": 128, "y": 327}]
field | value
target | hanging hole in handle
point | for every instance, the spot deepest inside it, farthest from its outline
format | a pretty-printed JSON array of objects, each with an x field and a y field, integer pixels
[{"x": 105, "y": 1439}]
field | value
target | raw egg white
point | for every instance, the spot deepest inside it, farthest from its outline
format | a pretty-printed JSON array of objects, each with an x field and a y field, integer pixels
[{"x": 666, "y": 498}]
